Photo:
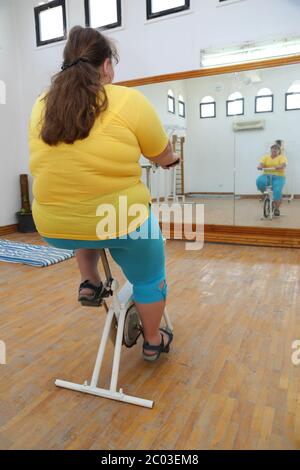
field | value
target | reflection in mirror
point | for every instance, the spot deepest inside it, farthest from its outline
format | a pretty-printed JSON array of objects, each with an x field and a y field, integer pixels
[
  {"x": 204, "y": 176},
  {"x": 267, "y": 150},
  {"x": 229, "y": 124},
  {"x": 169, "y": 100}
]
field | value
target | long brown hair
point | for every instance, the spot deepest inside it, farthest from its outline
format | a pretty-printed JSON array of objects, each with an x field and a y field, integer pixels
[{"x": 76, "y": 96}]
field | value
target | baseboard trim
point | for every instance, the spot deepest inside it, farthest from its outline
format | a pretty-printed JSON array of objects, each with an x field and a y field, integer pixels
[
  {"x": 238, "y": 196},
  {"x": 242, "y": 235},
  {"x": 239, "y": 235},
  {"x": 8, "y": 229},
  {"x": 198, "y": 193}
]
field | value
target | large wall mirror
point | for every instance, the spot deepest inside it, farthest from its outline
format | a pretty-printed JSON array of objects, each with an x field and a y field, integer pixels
[{"x": 225, "y": 125}]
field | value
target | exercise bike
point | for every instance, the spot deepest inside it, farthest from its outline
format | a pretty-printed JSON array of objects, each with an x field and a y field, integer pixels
[
  {"x": 123, "y": 327},
  {"x": 268, "y": 200}
]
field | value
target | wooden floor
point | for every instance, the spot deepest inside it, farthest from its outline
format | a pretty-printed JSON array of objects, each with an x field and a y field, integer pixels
[{"x": 228, "y": 382}]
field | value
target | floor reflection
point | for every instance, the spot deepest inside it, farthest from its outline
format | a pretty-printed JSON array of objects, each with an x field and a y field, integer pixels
[{"x": 244, "y": 212}]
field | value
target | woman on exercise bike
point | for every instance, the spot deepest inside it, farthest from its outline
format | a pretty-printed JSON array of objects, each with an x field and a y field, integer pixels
[
  {"x": 276, "y": 162},
  {"x": 86, "y": 138}
]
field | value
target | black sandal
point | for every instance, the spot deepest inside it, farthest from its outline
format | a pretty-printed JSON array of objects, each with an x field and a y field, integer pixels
[
  {"x": 160, "y": 348},
  {"x": 90, "y": 300}
]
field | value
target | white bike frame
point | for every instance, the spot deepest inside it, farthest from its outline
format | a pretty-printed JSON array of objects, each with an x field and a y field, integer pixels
[
  {"x": 269, "y": 193},
  {"x": 121, "y": 302}
]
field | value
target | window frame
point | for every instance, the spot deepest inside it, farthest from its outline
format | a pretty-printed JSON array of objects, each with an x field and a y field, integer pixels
[
  {"x": 257, "y": 97},
  {"x": 170, "y": 11},
  {"x": 232, "y": 101},
  {"x": 184, "y": 113},
  {"x": 174, "y": 104},
  {"x": 288, "y": 94},
  {"x": 48, "y": 6},
  {"x": 87, "y": 14},
  {"x": 215, "y": 110}
]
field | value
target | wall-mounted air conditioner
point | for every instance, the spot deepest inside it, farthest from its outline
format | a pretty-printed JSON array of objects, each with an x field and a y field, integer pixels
[{"x": 249, "y": 125}]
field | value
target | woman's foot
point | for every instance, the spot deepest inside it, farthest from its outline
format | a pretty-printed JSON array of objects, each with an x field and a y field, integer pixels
[
  {"x": 277, "y": 212},
  {"x": 90, "y": 294},
  {"x": 88, "y": 291},
  {"x": 155, "y": 346}
]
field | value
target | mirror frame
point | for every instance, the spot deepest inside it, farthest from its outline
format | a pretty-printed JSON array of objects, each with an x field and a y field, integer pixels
[{"x": 233, "y": 234}]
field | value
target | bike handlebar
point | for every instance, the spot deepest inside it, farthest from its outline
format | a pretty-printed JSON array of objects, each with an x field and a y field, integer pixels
[
  {"x": 267, "y": 169},
  {"x": 173, "y": 164}
]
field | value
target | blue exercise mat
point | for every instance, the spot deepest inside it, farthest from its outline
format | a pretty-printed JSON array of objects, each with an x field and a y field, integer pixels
[{"x": 33, "y": 255}]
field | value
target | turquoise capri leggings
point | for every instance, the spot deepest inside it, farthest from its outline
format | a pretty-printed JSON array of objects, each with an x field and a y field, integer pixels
[
  {"x": 140, "y": 255},
  {"x": 277, "y": 182}
]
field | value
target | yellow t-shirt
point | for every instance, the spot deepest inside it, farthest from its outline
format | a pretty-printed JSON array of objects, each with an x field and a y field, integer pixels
[
  {"x": 71, "y": 181},
  {"x": 268, "y": 161}
]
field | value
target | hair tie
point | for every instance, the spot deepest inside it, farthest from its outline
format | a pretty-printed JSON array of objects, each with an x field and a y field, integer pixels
[{"x": 75, "y": 62}]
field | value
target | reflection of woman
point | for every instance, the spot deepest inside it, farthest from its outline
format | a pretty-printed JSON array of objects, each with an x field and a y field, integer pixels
[
  {"x": 277, "y": 164},
  {"x": 85, "y": 157}
]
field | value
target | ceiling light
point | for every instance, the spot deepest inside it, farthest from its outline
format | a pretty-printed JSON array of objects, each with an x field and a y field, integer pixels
[{"x": 249, "y": 52}]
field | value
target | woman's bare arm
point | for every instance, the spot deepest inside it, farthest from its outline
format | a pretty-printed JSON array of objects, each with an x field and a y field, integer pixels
[
  {"x": 166, "y": 158},
  {"x": 281, "y": 167}
]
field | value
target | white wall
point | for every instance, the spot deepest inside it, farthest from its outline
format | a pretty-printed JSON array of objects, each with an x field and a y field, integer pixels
[
  {"x": 213, "y": 150},
  {"x": 10, "y": 118},
  {"x": 209, "y": 148},
  {"x": 166, "y": 45}
]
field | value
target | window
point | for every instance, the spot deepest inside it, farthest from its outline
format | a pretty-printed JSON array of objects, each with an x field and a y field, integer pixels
[
  {"x": 156, "y": 8},
  {"x": 235, "y": 104},
  {"x": 181, "y": 106},
  {"x": 50, "y": 22},
  {"x": 207, "y": 107},
  {"x": 292, "y": 97},
  {"x": 103, "y": 14},
  {"x": 171, "y": 102},
  {"x": 264, "y": 101}
]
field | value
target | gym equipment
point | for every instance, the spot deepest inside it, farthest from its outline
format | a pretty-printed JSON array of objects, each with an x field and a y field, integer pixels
[
  {"x": 162, "y": 184},
  {"x": 268, "y": 201},
  {"x": 123, "y": 327}
]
